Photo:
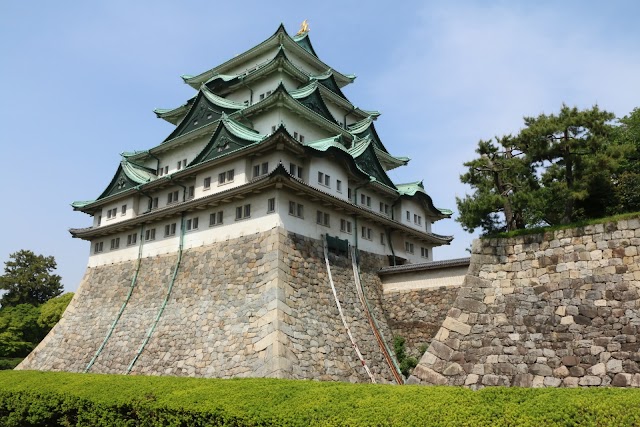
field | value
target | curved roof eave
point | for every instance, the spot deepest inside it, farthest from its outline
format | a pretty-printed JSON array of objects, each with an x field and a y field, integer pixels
[{"x": 279, "y": 37}]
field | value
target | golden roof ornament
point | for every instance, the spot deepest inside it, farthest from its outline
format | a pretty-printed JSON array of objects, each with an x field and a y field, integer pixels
[{"x": 304, "y": 28}]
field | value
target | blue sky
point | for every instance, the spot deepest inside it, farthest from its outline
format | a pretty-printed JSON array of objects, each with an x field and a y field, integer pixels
[{"x": 80, "y": 80}]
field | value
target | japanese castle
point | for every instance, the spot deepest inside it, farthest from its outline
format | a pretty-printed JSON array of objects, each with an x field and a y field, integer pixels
[{"x": 268, "y": 140}]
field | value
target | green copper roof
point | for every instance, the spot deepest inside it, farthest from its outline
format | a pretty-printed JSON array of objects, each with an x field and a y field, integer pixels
[
  {"x": 310, "y": 97},
  {"x": 280, "y": 37},
  {"x": 305, "y": 43},
  {"x": 206, "y": 109},
  {"x": 366, "y": 129},
  {"x": 325, "y": 144},
  {"x": 81, "y": 203},
  {"x": 228, "y": 137},
  {"x": 363, "y": 152},
  {"x": 412, "y": 189},
  {"x": 128, "y": 175}
]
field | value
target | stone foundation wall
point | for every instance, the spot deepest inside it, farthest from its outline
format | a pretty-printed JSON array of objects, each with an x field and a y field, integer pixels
[
  {"x": 256, "y": 306},
  {"x": 559, "y": 309},
  {"x": 417, "y": 315}
]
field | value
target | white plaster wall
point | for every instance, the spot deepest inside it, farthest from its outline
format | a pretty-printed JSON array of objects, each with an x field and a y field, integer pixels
[
  {"x": 259, "y": 221},
  {"x": 328, "y": 166},
  {"x": 252, "y": 62},
  {"x": 187, "y": 151},
  {"x": 336, "y": 111},
  {"x": 239, "y": 172},
  {"x": 300, "y": 63},
  {"x": 413, "y": 208},
  {"x": 261, "y": 86},
  {"x": 427, "y": 279}
]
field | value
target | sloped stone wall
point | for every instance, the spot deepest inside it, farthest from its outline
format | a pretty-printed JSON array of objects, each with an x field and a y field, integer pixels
[
  {"x": 256, "y": 306},
  {"x": 416, "y": 315},
  {"x": 559, "y": 309}
]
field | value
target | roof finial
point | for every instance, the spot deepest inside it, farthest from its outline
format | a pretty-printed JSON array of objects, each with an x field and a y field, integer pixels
[{"x": 304, "y": 28}]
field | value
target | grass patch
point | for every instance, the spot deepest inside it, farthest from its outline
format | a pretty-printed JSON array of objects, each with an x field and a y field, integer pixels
[
  {"x": 540, "y": 230},
  {"x": 29, "y": 398}
]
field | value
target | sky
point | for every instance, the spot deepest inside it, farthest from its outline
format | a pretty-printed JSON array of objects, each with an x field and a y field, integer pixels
[{"x": 79, "y": 82}]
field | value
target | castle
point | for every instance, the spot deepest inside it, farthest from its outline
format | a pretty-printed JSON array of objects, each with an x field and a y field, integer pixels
[
  {"x": 207, "y": 248},
  {"x": 264, "y": 238}
]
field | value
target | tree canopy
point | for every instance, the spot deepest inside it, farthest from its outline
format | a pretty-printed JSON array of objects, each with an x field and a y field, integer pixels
[
  {"x": 560, "y": 168},
  {"x": 28, "y": 279}
]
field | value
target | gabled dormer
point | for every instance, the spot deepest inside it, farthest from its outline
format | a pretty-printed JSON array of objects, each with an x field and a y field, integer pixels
[
  {"x": 204, "y": 110},
  {"x": 228, "y": 137},
  {"x": 364, "y": 154},
  {"x": 366, "y": 129}
]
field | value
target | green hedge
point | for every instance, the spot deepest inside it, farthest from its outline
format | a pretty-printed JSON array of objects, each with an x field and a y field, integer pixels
[{"x": 50, "y": 399}]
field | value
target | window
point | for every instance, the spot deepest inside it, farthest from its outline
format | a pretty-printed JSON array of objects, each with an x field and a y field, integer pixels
[
  {"x": 150, "y": 234},
  {"x": 207, "y": 183},
  {"x": 324, "y": 179},
  {"x": 170, "y": 230},
  {"x": 109, "y": 214},
  {"x": 153, "y": 203},
  {"x": 424, "y": 252},
  {"x": 243, "y": 212},
  {"x": 338, "y": 186},
  {"x": 323, "y": 218},
  {"x": 246, "y": 103},
  {"x": 271, "y": 205},
  {"x": 163, "y": 170},
  {"x": 417, "y": 219},
  {"x": 368, "y": 201},
  {"x": 408, "y": 216},
  {"x": 179, "y": 165},
  {"x": 365, "y": 200},
  {"x": 115, "y": 243},
  {"x": 408, "y": 247},
  {"x": 99, "y": 220},
  {"x": 226, "y": 176},
  {"x": 269, "y": 92},
  {"x": 215, "y": 218},
  {"x": 132, "y": 239},
  {"x": 295, "y": 135},
  {"x": 261, "y": 96},
  {"x": 296, "y": 209},
  {"x": 382, "y": 238},
  {"x": 349, "y": 193},
  {"x": 172, "y": 197},
  {"x": 112, "y": 213},
  {"x": 123, "y": 210},
  {"x": 182, "y": 163},
  {"x": 273, "y": 128},
  {"x": 295, "y": 170},
  {"x": 366, "y": 233},
  {"x": 345, "y": 226},
  {"x": 302, "y": 138},
  {"x": 192, "y": 224},
  {"x": 191, "y": 192},
  {"x": 384, "y": 208},
  {"x": 261, "y": 169},
  {"x": 98, "y": 247}
]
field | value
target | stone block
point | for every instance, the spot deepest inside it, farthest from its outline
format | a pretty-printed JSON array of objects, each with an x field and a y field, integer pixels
[
  {"x": 495, "y": 380},
  {"x": 441, "y": 350},
  {"x": 429, "y": 376},
  {"x": 540, "y": 369},
  {"x": 590, "y": 380},
  {"x": 597, "y": 369},
  {"x": 570, "y": 382},
  {"x": 614, "y": 366},
  {"x": 622, "y": 380},
  {"x": 453, "y": 369},
  {"x": 522, "y": 380},
  {"x": 456, "y": 326},
  {"x": 471, "y": 379},
  {"x": 552, "y": 382}
]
